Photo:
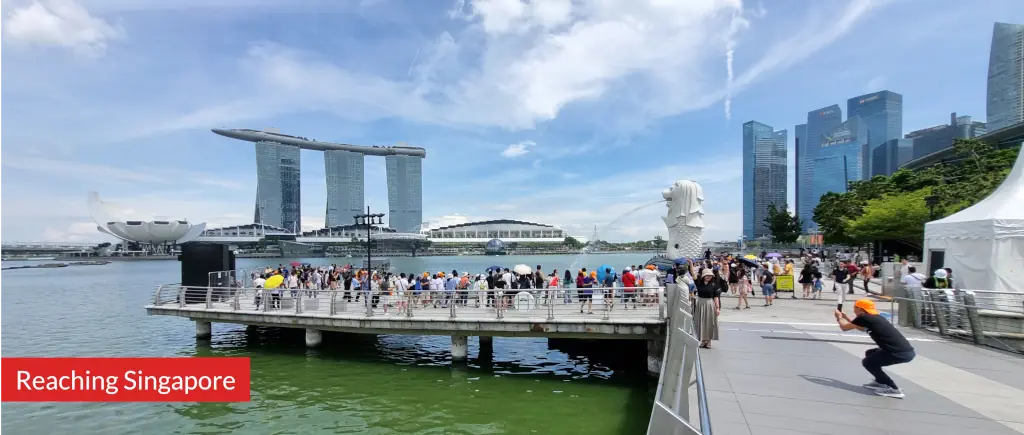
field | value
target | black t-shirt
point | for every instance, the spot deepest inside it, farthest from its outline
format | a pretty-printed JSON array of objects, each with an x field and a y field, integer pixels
[
  {"x": 769, "y": 278},
  {"x": 883, "y": 333},
  {"x": 840, "y": 274}
]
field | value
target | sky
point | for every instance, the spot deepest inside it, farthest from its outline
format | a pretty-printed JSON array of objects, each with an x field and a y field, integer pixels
[{"x": 570, "y": 113}]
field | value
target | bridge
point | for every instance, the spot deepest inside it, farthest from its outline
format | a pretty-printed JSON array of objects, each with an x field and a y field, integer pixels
[
  {"x": 39, "y": 248},
  {"x": 522, "y": 315},
  {"x": 775, "y": 370}
]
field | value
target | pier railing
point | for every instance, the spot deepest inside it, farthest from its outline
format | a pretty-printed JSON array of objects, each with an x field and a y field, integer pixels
[
  {"x": 987, "y": 318},
  {"x": 641, "y": 304},
  {"x": 680, "y": 372}
]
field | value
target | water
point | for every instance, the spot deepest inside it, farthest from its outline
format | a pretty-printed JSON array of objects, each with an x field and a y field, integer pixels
[
  {"x": 582, "y": 256},
  {"x": 353, "y": 384}
]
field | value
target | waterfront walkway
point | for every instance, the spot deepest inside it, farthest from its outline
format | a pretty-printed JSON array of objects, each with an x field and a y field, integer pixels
[{"x": 788, "y": 369}]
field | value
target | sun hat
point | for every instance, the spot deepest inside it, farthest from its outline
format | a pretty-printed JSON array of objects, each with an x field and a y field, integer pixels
[
  {"x": 707, "y": 272},
  {"x": 941, "y": 274},
  {"x": 867, "y": 305}
]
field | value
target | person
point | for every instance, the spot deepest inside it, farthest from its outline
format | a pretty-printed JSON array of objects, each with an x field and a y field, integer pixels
[
  {"x": 743, "y": 287},
  {"x": 609, "y": 288},
  {"x": 768, "y": 284},
  {"x": 587, "y": 297},
  {"x": 912, "y": 280},
  {"x": 866, "y": 273},
  {"x": 806, "y": 280},
  {"x": 707, "y": 307},
  {"x": 817, "y": 285},
  {"x": 629, "y": 288},
  {"x": 839, "y": 276},
  {"x": 893, "y": 347}
]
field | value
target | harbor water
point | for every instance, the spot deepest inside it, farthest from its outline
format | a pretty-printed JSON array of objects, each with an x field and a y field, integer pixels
[{"x": 353, "y": 384}]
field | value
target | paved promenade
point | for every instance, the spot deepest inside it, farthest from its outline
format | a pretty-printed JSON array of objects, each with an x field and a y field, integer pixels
[{"x": 788, "y": 369}]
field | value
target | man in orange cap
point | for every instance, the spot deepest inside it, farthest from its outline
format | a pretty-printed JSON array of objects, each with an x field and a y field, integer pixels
[{"x": 893, "y": 347}]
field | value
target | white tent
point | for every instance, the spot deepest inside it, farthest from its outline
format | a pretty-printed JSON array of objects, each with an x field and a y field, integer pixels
[{"x": 984, "y": 244}]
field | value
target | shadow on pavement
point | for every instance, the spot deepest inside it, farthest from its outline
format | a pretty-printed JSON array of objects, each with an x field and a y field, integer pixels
[{"x": 834, "y": 383}]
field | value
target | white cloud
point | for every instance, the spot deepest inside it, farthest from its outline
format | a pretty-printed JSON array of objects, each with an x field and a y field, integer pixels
[
  {"x": 521, "y": 63},
  {"x": 76, "y": 232},
  {"x": 518, "y": 149},
  {"x": 62, "y": 23},
  {"x": 96, "y": 173}
]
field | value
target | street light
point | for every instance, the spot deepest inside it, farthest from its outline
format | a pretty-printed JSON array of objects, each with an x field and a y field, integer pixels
[
  {"x": 369, "y": 219},
  {"x": 931, "y": 201}
]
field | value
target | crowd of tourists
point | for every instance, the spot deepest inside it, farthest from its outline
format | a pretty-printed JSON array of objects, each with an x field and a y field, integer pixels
[{"x": 495, "y": 288}]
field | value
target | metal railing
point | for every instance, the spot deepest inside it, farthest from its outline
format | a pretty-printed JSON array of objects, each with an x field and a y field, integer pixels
[
  {"x": 645, "y": 303},
  {"x": 987, "y": 318},
  {"x": 680, "y": 369}
]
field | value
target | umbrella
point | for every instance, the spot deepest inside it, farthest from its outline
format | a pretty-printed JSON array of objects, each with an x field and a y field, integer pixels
[
  {"x": 750, "y": 257},
  {"x": 523, "y": 269},
  {"x": 601, "y": 272},
  {"x": 773, "y": 255},
  {"x": 296, "y": 264},
  {"x": 274, "y": 281},
  {"x": 749, "y": 262},
  {"x": 494, "y": 268}
]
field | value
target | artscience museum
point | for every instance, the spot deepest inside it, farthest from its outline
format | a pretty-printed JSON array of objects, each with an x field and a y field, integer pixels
[{"x": 109, "y": 219}]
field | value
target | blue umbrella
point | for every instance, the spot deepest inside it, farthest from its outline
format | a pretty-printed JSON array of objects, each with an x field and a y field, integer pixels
[
  {"x": 601, "y": 272},
  {"x": 494, "y": 268}
]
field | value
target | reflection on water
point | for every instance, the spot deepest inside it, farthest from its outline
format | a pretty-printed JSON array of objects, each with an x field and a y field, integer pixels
[{"x": 355, "y": 384}]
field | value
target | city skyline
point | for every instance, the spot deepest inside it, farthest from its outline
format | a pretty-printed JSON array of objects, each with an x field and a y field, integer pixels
[
  {"x": 764, "y": 176},
  {"x": 115, "y": 98}
]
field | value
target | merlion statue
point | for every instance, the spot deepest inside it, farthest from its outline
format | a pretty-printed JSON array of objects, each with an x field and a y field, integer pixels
[{"x": 685, "y": 219}]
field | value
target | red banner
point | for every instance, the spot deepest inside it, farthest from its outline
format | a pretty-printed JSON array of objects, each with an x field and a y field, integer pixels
[{"x": 125, "y": 379}]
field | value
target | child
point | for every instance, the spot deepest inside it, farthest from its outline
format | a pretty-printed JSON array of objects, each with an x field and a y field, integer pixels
[{"x": 817, "y": 285}]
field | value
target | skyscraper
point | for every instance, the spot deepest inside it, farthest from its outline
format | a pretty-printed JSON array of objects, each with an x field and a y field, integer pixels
[
  {"x": 277, "y": 173},
  {"x": 888, "y": 157},
  {"x": 882, "y": 113},
  {"x": 345, "y": 186},
  {"x": 278, "y": 196},
  {"x": 1005, "y": 102},
  {"x": 934, "y": 139},
  {"x": 800, "y": 141},
  {"x": 764, "y": 176},
  {"x": 819, "y": 122},
  {"x": 405, "y": 192},
  {"x": 841, "y": 158}
]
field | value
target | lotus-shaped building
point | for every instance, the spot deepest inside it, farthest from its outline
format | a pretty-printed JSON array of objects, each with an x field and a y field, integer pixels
[{"x": 108, "y": 220}]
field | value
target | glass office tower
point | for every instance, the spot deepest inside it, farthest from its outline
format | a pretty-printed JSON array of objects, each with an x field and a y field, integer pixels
[
  {"x": 887, "y": 158},
  {"x": 345, "y": 186},
  {"x": 819, "y": 122},
  {"x": 882, "y": 113},
  {"x": 799, "y": 142},
  {"x": 405, "y": 193},
  {"x": 1005, "y": 102},
  {"x": 764, "y": 176},
  {"x": 841, "y": 158},
  {"x": 278, "y": 196}
]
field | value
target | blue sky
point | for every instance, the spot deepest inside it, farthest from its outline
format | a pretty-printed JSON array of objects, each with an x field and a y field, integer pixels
[{"x": 561, "y": 112}]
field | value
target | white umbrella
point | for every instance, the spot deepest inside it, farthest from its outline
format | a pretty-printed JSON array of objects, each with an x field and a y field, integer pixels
[{"x": 523, "y": 269}]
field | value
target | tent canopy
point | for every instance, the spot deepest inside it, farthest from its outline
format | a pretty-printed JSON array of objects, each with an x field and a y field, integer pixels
[{"x": 984, "y": 244}]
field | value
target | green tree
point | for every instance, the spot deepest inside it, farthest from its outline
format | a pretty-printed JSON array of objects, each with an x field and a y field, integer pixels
[
  {"x": 897, "y": 216},
  {"x": 785, "y": 227},
  {"x": 889, "y": 208},
  {"x": 571, "y": 243}
]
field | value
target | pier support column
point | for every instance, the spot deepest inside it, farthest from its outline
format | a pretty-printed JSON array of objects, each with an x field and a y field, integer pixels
[
  {"x": 314, "y": 337},
  {"x": 203, "y": 329},
  {"x": 655, "y": 354},
  {"x": 486, "y": 346},
  {"x": 460, "y": 347}
]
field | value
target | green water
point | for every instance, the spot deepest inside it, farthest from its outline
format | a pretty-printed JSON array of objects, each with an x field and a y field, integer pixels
[{"x": 353, "y": 384}]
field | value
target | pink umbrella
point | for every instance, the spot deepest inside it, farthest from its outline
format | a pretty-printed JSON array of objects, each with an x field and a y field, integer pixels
[{"x": 295, "y": 264}]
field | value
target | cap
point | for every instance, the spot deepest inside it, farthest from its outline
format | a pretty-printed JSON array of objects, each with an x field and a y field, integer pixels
[{"x": 867, "y": 305}]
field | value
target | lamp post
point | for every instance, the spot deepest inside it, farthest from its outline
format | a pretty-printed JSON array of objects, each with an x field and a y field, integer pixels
[
  {"x": 931, "y": 201},
  {"x": 369, "y": 219}
]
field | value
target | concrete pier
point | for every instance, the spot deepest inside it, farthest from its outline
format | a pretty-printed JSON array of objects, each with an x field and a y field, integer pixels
[
  {"x": 460, "y": 347},
  {"x": 203, "y": 329},
  {"x": 314, "y": 337},
  {"x": 655, "y": 354}
]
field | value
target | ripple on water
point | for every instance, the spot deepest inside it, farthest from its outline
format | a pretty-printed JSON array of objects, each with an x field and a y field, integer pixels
[{"x": 354, "y": 384}]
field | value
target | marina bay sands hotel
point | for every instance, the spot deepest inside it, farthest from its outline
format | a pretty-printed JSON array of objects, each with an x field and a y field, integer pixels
[{"x": 277, "y": 180}]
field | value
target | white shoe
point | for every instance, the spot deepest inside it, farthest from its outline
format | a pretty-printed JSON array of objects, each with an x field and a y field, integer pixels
[
  {"x": 895, "y": 393},
  {"x": 875, "y": 385}
]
